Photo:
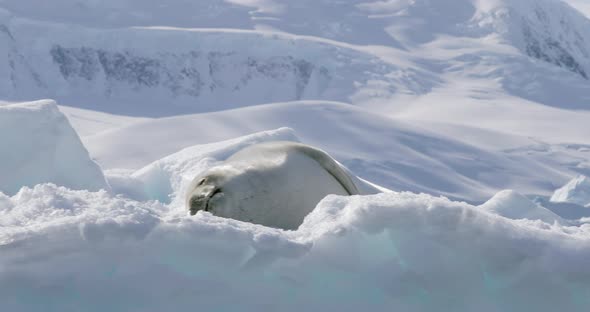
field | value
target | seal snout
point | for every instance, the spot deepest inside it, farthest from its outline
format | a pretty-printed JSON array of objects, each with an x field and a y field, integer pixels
[
  {"x": 198, "y": 202},
  {"x": 201, "y": 201}
]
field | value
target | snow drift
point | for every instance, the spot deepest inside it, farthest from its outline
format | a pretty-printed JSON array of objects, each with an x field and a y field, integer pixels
[
  {"x": 81, "y": 250},
  {"x": 576, "y": 191},
  {"x": 399, "y": 155},
  {"x": 39, "y": 145},
  {"x": 513, "y": 205}
]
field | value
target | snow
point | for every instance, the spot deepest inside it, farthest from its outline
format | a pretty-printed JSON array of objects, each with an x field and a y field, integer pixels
[
  {"x": 466, "y": 116},
  {"x": 163, "y": 71},
  {"x": 582, "y": 5},
  {"x": 88, "y": 122},
  {"x": 576, "y": 191},
  {"x": 39, "y": 145},
  {"x": 513, "y": 205},
  {"x": 168, "y": 177},
  {"x": 401, "y": 155},
  {"x": 386, "y": 251}
]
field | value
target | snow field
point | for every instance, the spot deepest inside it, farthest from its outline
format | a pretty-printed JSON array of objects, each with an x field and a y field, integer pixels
[{"x": 135, "y": 249}]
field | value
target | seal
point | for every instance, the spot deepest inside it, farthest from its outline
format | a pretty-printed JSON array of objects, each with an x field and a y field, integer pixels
[{"x": 275, "y": 184}]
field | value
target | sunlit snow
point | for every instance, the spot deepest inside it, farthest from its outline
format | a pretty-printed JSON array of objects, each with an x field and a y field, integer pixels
[{"x": 466, "y": 121}]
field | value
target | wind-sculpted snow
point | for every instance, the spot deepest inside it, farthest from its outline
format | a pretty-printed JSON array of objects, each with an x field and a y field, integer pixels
[
  {"x": 512, "y": 205},
  {"x": 399, "y": 155},
  {"x": 576, "y": 191},
  {"x": 38, "y": 145}
]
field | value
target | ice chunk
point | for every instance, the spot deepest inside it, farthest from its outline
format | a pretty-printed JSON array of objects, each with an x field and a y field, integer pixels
[
  {"x": 577, "y": 191},
  {"x": 38, "y": 145}
]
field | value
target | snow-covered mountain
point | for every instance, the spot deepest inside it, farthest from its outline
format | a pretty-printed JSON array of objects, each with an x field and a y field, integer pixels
[
  {"x": 167, "y": 70},
  {"x": 547, "y": 30},
  {"x": 212, "y": 69}
]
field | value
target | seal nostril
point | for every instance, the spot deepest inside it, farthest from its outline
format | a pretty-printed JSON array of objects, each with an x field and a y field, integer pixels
[{"x": 217, "y": 191}]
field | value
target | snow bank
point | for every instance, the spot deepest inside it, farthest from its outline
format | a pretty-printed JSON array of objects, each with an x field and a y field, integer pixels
[
  {"x": 69, "y": 250},
  {"x": 39, "y": 145},
  {"x": 577, "y": 191},
  {"x": 378, "y": 253},
  {"x": 47, "y": 209},
  {"x": 513, "y": 205}
]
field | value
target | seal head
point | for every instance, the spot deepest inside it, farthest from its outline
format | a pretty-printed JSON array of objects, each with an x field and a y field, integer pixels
[{"x": 205, "y": 191}]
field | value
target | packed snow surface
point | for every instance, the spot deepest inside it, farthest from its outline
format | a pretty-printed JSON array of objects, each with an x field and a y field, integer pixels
[{"x": 73, "y": 250}]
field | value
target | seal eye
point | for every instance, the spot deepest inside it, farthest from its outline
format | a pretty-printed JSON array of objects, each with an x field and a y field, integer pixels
[{"x": 201, "y": 182}]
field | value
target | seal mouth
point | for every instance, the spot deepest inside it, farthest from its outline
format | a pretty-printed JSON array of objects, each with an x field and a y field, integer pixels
[
  {"x": 202, "y": 202},
  {"x": 215, "y": 192}
]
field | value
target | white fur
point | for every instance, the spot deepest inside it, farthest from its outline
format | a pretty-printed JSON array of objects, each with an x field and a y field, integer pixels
[{"x": 275, "y": 184}]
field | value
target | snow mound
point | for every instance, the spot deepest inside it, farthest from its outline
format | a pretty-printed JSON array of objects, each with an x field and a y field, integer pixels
[
  {"x": 47, "y": 209},
  {"x": 513, "y": 205},
  {"x": 39, "y": 145},
  {"x": 577, "y": 191}
]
